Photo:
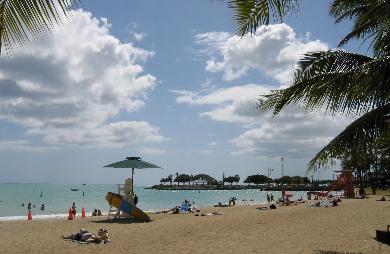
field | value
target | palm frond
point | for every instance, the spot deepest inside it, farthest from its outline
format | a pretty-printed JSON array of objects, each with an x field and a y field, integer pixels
[
  {"x": 250, "y": 14},
  {"x": 362, "y": 133},
  {"x": 21, "y": 20},
  {"x": 371, "y": 20},
  {"x": 339, "y": 81}
]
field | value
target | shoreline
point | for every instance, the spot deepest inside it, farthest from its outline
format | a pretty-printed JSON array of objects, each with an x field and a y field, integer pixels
[{"x": 105, "y": 213}]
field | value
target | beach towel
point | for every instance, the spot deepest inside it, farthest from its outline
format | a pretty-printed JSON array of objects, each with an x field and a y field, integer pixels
[
  {"x": 210, "y": 214},
  {"x": 82, "y": 242}
]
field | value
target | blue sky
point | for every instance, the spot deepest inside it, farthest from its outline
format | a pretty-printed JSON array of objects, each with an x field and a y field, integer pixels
[{"x": 164, "y": 80}]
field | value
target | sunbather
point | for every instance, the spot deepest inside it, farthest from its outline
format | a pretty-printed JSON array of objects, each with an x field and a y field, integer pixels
[
  {"x": 76, "y": 236},
  {"x": 103, "y": 235},
  {"x": 334, "y": 202},
  {"x": 381, "y": 199},
  {"x": 221, "y": 205},
  {"x": 88, "y": 237}
]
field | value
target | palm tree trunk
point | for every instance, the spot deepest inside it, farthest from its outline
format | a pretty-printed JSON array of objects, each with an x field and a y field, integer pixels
[{"x": 361, "y": 183}]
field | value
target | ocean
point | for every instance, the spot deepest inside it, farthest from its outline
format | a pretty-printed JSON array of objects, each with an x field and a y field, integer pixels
[{"x": 59, "y": 197}]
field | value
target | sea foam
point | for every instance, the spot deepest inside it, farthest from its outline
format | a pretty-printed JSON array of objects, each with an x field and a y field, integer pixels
[{"x": 36, "y": 217}]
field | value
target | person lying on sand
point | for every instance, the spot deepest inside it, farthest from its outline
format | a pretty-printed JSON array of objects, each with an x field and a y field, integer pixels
[
  {"x": 174, "y": 210},
  {"x": 264, "y": 207},
  {"x": 76, "y": 236},
  {"x": 209, "y": 214},
  {"x": 88, "y": 237},
  {"x": 221, "y": 205},
  {"x": 381, "y": 199},
  {"x": 103, "y": 235}
]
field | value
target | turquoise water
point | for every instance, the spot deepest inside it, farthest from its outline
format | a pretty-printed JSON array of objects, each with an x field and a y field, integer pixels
[{"x": 58, "y": 198}]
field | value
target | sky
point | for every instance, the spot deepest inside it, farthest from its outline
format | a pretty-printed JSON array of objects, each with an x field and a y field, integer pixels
[{"x": 168, "y": 81}]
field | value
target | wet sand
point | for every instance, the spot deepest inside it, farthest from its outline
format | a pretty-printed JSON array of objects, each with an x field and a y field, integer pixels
[{"x": 348, "y": 228}]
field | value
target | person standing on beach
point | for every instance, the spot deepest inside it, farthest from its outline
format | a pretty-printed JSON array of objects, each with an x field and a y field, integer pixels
[
  {"x": 135, "y": 199},
  {"x": 74, "y": 210},
  {"x": 29, "y": 206},
  {"x": 272, "y": 197},
  {"x": 41, "y": 194}
]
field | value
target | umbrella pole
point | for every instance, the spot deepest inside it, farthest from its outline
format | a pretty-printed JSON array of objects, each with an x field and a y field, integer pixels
[{"x": 132, "y": 181}]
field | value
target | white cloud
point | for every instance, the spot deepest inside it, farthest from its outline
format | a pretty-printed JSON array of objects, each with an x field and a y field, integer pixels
[
  {"x": 139, "y": 36},
  {"x": 293, "y": 133},
  {"x": 235, "y": 104},
  {"x": 191, "y": 152},
  {"x": 273, "y": 49},
  {"x": 214, "y": 41},
  {"x": 23, "y": 146},
  {"x": 151, "y": 151},
  {"x": 136, "y": 35},
  {"x": 67, "y": 88},
  {"x": 213, "y": 143}
]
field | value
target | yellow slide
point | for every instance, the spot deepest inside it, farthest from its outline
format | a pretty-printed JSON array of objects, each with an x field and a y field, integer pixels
[{"x": 117, "y": 201}]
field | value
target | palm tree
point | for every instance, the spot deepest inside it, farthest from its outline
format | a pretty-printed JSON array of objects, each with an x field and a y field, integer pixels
[
  {"x": 371, "y": 17},
  {"x": 170, "y": 178},
  {"x": 250, "y": 14},
  {"x": 176, "y": 174},
  {"x": 360, "y": 161},
  {"x": 237, "y": 179},
  {"x": 21, "y": 20},
  {"x": 341, "y": 82}
]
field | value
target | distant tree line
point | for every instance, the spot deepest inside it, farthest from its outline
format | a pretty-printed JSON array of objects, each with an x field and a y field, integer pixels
[
  {"x": 184, "y": 178},
  {"x": 232, "y": 179},
  {"x": 290, "y": 180},
  {"x": 252, "y": 179}
]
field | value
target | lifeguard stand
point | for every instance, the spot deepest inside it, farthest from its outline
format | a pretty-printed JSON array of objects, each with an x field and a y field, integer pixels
[
  {"x": 344, "y": 181},
  {"x": 126, "y": 191}
]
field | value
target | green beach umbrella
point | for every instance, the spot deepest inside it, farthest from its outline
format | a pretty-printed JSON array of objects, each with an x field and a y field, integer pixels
[{"x": 132, "y": 162}]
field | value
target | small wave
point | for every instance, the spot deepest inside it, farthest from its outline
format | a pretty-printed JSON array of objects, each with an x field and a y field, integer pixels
[
  {"x": 45, "y": 216},
  {"x": 35, "y": 217}
]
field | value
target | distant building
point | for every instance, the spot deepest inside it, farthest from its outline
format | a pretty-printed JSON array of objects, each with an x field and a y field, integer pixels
[{"x": 200, "y": 182}]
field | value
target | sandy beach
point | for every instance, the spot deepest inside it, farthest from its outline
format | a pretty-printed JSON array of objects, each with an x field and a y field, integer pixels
[{"x": 349, "y": 228}]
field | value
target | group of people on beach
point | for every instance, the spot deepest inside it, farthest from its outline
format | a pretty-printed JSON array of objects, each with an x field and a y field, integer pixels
[
  {"x": 96, "y": 212},
  {"x": 270, "y": 197}
]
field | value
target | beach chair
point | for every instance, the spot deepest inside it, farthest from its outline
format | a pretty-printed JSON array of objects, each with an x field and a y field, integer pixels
[
  {"x": 184, "y": 208},
  {"x": 383, "y": 236}
]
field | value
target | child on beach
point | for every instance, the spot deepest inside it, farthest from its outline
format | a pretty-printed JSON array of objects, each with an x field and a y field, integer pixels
[{"x": 74, "y": 210}]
